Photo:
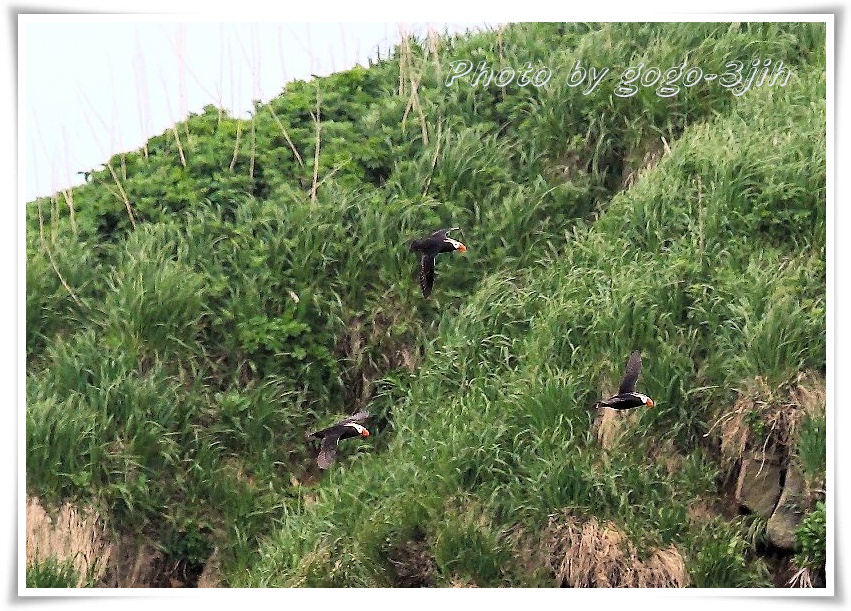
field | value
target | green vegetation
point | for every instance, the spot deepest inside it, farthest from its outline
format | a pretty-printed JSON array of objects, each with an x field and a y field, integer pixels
[
  {"x": 811, "y": 535},
  {"x": 812, "y": 450},
  {"x": 51, "y": 573},
  {"x": 203, "y": 302}
]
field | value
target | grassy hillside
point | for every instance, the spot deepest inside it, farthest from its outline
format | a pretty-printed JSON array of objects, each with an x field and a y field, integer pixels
[{"x": 203, "y": 302}]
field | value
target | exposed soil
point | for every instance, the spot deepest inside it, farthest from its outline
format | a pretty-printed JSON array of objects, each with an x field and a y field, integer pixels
[{"x": 413, "y": 564}]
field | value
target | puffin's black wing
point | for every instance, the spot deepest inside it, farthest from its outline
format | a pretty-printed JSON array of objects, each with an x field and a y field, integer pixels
[
  {"x": 426, "y": 274},
  {"x": 441, "y": 234},
  {"x": 630, "y": 376},
  {"x": 328, "y": 452}
]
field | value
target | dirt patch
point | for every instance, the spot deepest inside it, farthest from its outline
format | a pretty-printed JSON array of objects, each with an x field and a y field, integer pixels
[
  {"x": 643, "y": 158},
  {"x": 413, "y": 564},
  {"x": 369, "y": 349},
  {"x": 610, "y": 424},
  {"x": 569, "y": 167},
  {"x": 706, "y": 510},
  {"x": 211, "y": 576}
]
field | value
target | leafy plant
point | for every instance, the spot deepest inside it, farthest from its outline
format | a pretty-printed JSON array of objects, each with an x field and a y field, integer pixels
[{"x": 812, "y": 538}]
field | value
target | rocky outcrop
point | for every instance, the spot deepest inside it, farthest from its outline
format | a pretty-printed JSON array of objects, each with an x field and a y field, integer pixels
[
  {"x": 759, "y": 440},
  {"x": 758, "y": 488},
  {"x": 789, "y": 512},
  {"x": 762, "y": 488}
]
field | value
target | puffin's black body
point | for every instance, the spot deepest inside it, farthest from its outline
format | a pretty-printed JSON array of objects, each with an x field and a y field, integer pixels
[
  {"x": 331, "y": 436},
  {"x": 430, "y": 247},
  {"x": 627, "y": 398}
]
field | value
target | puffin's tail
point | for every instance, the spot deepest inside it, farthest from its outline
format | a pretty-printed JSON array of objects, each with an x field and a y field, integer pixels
[{"x": 416, "y": 245}]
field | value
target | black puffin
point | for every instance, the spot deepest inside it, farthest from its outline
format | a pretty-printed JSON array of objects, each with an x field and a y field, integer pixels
[
  {"x": 430, "y": 247},
  {"x": 331, "y": 436},
  {"x": 627, "y": 398}
]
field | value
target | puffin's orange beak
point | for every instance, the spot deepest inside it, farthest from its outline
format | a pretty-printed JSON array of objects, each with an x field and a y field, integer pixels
[
  {"x": 462, "y": 248},
  {"x": 650, "y": 402},
  {"x": 364, "y": 433}
]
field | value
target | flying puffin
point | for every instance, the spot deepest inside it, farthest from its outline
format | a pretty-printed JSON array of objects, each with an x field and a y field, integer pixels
[
  {"x": 331, "y": 436},
  {"x": 430, "y": 247},
  {"x": 627, "y": 398}
]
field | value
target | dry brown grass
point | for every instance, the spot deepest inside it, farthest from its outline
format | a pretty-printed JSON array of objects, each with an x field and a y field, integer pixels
[
  {"x": 211, "y": 577},
  {"x": 133, "y": 565},
  {"x": 462, "y": 582},
  {"x": 766, "y": 419},
  {"x": 803, "y": 578},
  {"x": 595, "y": 555},
  {"x": 319, "y": 556},
  {"x": 71, "y": 535},
  {"x": 810, "y": 393},
  {"x": 704, "y": 510},
  {"x": 609, "y": 425}
]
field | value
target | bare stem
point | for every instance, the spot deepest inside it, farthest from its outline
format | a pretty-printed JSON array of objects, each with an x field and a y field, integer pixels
[
  {"x": 52, "y": 260},
  {"x": 123, "y": 194},
  {"x": 179, "y": 146},
  {"x": 69, "y": 199},
  {"x": 236, "y": 144},
  {"x": 317, "y": 120},
  {"x": 286, "y": 136}
]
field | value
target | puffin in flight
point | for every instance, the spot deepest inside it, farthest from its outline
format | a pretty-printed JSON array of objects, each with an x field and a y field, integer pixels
[
  {"x": 627, "y": 398},
  {"x": 430, "y": 247},
  {"x": 331, "y": 436}
]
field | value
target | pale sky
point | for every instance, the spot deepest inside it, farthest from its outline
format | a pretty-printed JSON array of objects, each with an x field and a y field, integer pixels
[{"x": 96, "y": 85}]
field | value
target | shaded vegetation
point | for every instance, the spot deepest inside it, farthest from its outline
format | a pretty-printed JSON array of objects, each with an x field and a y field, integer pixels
[
  {"x": 51, "y": 574},
  {"x": 207, "y": 300}
]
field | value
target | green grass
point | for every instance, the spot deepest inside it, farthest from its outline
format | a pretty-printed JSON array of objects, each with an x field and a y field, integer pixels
[
  {"x": 811, "y": 535},
  {"x": 51, "y": 573}
]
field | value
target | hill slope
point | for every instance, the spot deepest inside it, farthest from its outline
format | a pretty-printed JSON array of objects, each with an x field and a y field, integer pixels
[{"x": 206, "y": 300}]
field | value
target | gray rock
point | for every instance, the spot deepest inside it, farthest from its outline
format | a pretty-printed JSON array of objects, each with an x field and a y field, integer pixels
[
  {"x": 789, "y": 512},
  {"x": 758, "y": 487}
]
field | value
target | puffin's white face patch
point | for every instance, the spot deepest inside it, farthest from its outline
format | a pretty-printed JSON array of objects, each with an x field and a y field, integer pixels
[
  {"x": 357, "y": 427},
  {"x": 644, "y": 398},
  {"x": 455, "y": 243}
]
